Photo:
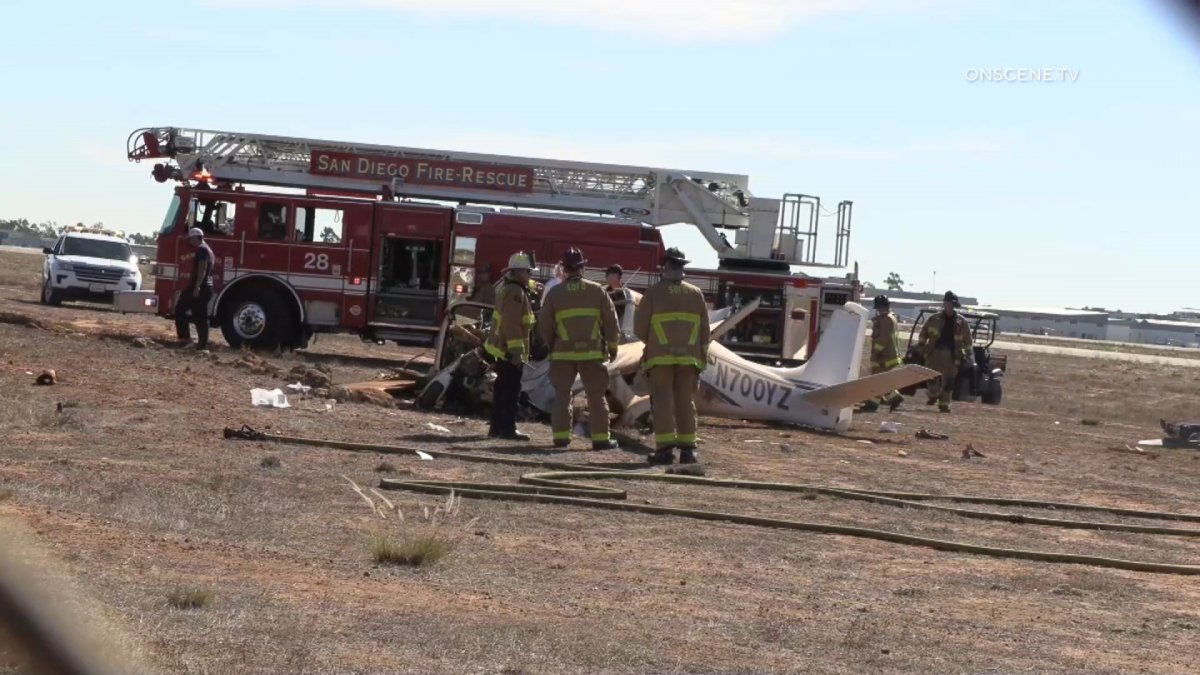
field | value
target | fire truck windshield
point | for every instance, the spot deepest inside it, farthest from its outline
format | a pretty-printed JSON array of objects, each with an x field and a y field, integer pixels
[
  {"x": 168, "y": 223},
  {"x": 96, "y": 248}
]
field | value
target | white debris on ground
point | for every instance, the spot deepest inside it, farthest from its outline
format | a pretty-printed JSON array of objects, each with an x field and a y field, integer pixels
[{"x": 274, "y": 398}]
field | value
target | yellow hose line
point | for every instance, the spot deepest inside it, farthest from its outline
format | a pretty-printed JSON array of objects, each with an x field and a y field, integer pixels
[{"x": 561, "y": 487}]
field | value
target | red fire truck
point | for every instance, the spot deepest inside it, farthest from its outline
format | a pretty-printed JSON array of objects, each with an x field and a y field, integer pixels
[{"x": 320, "y": 236}]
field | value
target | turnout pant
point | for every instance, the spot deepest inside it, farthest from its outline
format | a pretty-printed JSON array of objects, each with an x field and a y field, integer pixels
[
  {"x": 944, "y": 361},
  {"x": 878, "y": 367},
  {"x": 595, "y": 384},
  {"x": 673, "y": 405},
  {"x": 506, "y": 393},
  {"x": 197, "y": 308}
]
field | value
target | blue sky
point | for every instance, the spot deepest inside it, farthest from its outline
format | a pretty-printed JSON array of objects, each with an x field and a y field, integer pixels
[{"x": 1063, "y": 193}]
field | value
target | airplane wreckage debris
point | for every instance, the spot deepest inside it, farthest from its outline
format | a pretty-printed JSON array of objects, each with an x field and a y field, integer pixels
[{"x": 820, "y": 393}]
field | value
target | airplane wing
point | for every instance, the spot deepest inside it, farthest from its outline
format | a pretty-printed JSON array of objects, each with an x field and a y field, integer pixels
[{"x": 848, "y": 393}]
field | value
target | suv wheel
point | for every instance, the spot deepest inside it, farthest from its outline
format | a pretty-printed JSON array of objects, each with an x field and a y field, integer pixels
[{"x": 50, "y": 295}]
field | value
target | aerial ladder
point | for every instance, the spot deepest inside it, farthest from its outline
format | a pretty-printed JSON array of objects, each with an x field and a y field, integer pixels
[{"x": 768, "y": 233}]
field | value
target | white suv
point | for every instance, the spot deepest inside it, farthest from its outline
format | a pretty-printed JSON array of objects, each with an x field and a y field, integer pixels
[{"x": 88, "y": 266}]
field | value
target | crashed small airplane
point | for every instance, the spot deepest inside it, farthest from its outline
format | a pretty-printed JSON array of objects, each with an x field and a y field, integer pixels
[{"x": 821, "y": 393}]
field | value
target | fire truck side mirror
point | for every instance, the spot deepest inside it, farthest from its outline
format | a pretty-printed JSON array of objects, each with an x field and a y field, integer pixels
[{"x": 223, "y": 224}]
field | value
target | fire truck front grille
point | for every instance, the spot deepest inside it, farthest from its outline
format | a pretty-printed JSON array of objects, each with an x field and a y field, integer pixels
[{"x": 98, "y": 275}]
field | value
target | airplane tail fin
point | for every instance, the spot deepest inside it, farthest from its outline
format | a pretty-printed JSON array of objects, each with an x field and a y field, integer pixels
[{"x": 839, "y": 353}]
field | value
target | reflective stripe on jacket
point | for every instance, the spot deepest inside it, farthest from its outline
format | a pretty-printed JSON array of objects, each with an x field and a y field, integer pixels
[
  {"x": 885, "y": 341},
  {"x": 932, "y": 330},
  {"x": 512, "y": 318},
  {"x": 577, "y": 321},
  {"x": 672, "y": 323}
]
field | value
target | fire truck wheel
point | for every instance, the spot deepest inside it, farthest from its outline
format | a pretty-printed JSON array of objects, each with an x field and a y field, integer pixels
[{"x": 259, "y": 320}]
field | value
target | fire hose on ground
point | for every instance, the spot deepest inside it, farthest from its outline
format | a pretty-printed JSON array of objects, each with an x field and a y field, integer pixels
[{"x": 558, "y": 484}]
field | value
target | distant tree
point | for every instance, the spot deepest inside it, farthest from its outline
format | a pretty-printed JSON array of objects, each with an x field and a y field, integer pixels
[
  {"x": 329, "y": 236},
  {"x": 894, "y": 282}
]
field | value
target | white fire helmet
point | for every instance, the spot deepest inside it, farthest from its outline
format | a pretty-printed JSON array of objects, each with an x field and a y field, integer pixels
[{"x": 519, "y": 261}]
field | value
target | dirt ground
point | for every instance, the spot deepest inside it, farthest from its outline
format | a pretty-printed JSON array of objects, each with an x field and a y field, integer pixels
[{"x": 131, "y": 491}]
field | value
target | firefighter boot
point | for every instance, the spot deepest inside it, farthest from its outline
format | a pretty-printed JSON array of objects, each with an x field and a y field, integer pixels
[
  {"x": 895, "y": 401},
  {"x": 869, "y": 406},
  {"x": 944, "y": 407},
  {"x": 562, "y": 442},
  {"x": 688, "y": 456},
  {"x": 662, "y": 456},
  {"x": 514, "y": 435},
  {"x": 609, "y": 444}
]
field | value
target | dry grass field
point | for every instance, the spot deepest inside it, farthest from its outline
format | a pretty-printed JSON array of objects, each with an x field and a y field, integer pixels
[{"x": 206, "y": 555}]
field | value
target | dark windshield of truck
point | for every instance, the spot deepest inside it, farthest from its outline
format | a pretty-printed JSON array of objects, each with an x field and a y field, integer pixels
[
  {"x": 168, "y": 222},
  {"x": 96, "y": 248}
]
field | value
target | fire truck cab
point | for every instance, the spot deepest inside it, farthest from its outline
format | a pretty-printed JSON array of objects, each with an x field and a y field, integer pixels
[{"x": 338, "y": 249}]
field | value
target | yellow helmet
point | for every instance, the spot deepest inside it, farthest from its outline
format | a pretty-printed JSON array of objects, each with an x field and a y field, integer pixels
[{"x": 519, "y": 261}]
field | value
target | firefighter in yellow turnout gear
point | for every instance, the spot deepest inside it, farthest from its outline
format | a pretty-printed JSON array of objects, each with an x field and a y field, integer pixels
[
  {"x": 672, "y": 322},
  {"x": 946, "y": 345},
  {"x": 508, "y": 345},
  {"x": 885, "y": 351},
  {"x": 579, "y": 325}
]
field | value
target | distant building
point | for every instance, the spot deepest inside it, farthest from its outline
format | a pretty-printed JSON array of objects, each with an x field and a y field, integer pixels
[
  {"x": 1085, "y": 324},
  {"x": 23, "y": 240},
  {"x": 1163, "y": 332},
  {"x": 1120, "y": 329},
  {"x": 906, "y": 309},
  {"x": 906, "y": 304},
  {"x": 929, "y": 298}
]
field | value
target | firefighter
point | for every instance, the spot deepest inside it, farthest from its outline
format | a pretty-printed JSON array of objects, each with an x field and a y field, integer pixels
[
  {"x": 508, "y": 345},
  {"x": 672, "y": 322},
  {"x": 616, "y": 290},
  {"x": 485, "y": 291},
  {"x": 193, "y": 300},
  {"x": 885, "y": 351},
  {"x": 946, "y": 345},
  {"x": 555, "y": 279},
  {"x": 579, "y": 325}
]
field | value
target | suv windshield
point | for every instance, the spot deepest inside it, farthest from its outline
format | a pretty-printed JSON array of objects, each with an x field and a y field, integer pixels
[{"x": 96, "y": 248}]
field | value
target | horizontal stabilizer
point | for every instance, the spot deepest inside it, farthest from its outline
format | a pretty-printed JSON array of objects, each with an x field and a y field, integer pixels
[
  {"x": 847, "y": 394},
  {"x": 720, "y": 328}
]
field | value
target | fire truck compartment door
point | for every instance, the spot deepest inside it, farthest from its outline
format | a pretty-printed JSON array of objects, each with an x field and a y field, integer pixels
[{"x": 411, "y": 280}]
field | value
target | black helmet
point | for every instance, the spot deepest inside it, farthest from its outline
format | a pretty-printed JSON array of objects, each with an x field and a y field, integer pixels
[
  {"x": 676, "y": 256},
  {"x": 573, "y": 258},
  {"x": 951, "y": 297},
  {"x": 881, "y": 302}
]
